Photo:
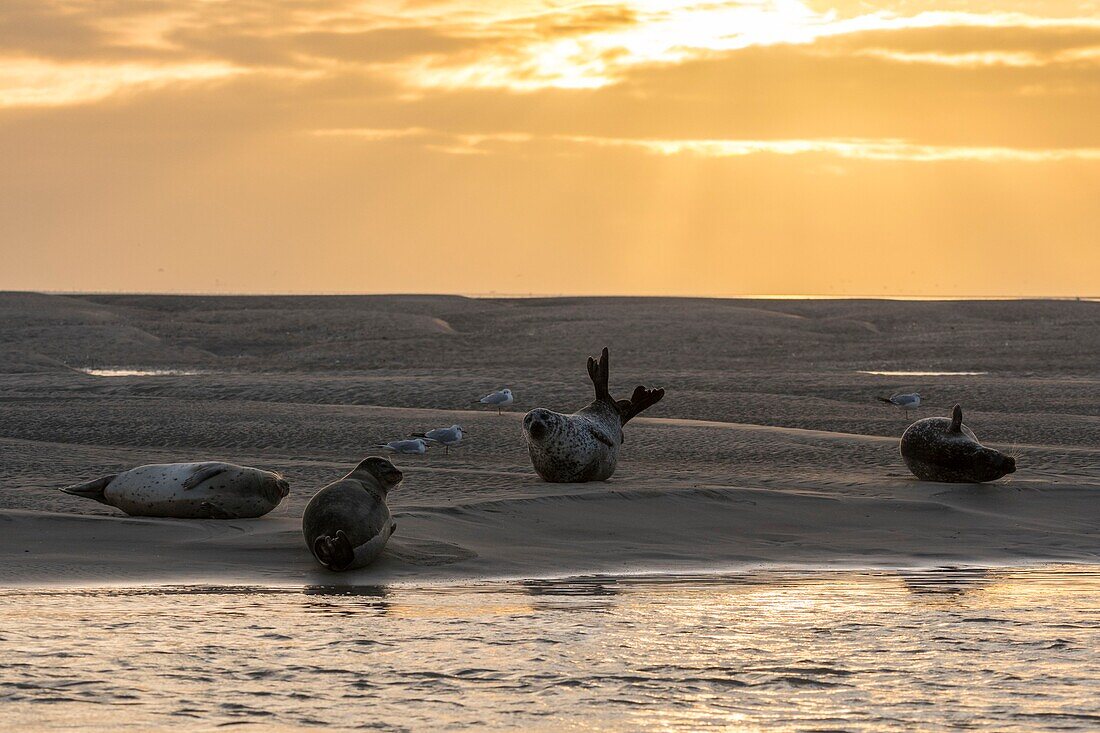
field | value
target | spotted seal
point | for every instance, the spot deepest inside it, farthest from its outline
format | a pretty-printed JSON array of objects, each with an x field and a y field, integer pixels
[
  {"x": 347, "y": 523},
  {"x": 584, "y": 446},
  {"x": 943, "y": 449},
  {"x": 209, "y": 490}
]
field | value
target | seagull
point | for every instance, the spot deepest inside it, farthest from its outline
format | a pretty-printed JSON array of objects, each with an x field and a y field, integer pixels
[
  {"x": 500, "y": 398},
  {"x": 905, "y": 402},
  {"x": 416, "y": 446},
  {"x": 445, "y": 437}
]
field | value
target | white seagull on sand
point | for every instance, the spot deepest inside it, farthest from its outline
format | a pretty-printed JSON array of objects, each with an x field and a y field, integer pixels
[
  {"x": 445, "y": 437},
  {"x": 416, "y": 446},
  {"x": 500, "y": 398},
  {"x": 905, "y": 402}
]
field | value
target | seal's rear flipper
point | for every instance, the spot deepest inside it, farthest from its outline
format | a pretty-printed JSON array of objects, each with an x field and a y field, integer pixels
[
  {"x": 956, "y": 419},
  {"x": 92, "y": 489},
  {"x": 335, "y": 553},
  {"x": 598, "y": 372},
  {"x": 641, "y": 400}
]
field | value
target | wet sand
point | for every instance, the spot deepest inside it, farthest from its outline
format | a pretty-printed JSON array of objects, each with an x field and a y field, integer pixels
[{"x": 769, "y": 449}]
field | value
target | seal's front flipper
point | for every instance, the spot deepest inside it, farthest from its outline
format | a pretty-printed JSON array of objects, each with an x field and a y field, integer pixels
[
  {"x": 600, "y": 436},
  {"x": 598, "y": 372},
  {"x": 203, "y": 472},
  {"x": 92, "y": 489},
  {"x": 213, "y": 511},
  {"x": 641, "y": 400},
  {"x": 335, "y": 553}
]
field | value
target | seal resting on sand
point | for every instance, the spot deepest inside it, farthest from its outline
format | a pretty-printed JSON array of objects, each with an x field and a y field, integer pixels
[
  {"x": 188, "y": 491},
  {"x": 347, "y": 523},
  {"x": 584, "y": 446},
  {"x": 943, "y": 449}
]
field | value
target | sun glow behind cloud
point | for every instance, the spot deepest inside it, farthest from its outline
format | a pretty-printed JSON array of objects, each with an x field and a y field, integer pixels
[
  {"x": 519, "y": 46},
  {"x": 644, "y": 33},
  {"x": 673, "y": 32}
]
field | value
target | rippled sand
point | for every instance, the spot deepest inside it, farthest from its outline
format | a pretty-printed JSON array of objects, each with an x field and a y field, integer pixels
[
  {"x": 1005, "y": 650},
  {"x": 769, "y": 449}
]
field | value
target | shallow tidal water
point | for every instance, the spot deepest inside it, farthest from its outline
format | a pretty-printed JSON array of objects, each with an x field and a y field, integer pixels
[{"x": 998, "y": 649}]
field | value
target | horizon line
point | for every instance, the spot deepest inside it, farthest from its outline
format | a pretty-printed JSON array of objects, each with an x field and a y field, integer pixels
[{"x": 534, "y": 296}]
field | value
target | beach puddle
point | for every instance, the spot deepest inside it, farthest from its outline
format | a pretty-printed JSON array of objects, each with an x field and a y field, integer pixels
[
  {"x": 997, "y": 649},
  {"x": 131, "y": 372},
  {"x": 923, "y": 374}
]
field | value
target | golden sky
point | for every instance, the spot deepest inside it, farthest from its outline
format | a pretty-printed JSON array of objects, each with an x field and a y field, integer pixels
[{"x": 774, "y": 147}]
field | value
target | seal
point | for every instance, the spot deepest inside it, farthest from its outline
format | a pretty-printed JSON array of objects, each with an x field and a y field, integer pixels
[
  {"x": 208, "y": 490},
  {"x": 347, "y": 523},
  {"x": 943, "y": 449},
  {"x": 584, "y": 446}
]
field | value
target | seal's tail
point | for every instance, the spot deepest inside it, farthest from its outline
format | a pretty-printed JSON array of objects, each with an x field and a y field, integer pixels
[
  {"x": 91, "y": 489},
  {"x": 335, "y": 553},
  {"x": 887, "y": 400},
  {"x": 641, "y": 400},
  {"x": 598, "y": 371}
]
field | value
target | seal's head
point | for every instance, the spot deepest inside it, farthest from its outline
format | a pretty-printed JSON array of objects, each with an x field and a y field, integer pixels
[
  {"x": 540, "y": 425},
  {"x": 282, "y": 485},
  {"x": 272, "y": 485},
  {"x": 943, "y": 449},
  {"x": 990, "y": 464},
  {"x": 385, "y": 473}
]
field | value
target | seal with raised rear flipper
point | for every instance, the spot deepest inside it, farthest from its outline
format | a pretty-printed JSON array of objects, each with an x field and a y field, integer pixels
[
  {"x": 943, "y": 449},
  {"x": 347, "y": 523},
  {"x": 210, "y": 490},
  {"x": 584, "y": 446}
]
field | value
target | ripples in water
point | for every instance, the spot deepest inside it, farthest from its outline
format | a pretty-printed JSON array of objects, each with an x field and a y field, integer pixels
[{"x": 1004, "y": 649}]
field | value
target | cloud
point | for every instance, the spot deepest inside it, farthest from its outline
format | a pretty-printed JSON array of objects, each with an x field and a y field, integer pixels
[
  {"x": 855, "y": 149},
  {"x": 33, "y": 83},
  {"x": 974, "y": 45},
  {"x": 317, "y": 49}
]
